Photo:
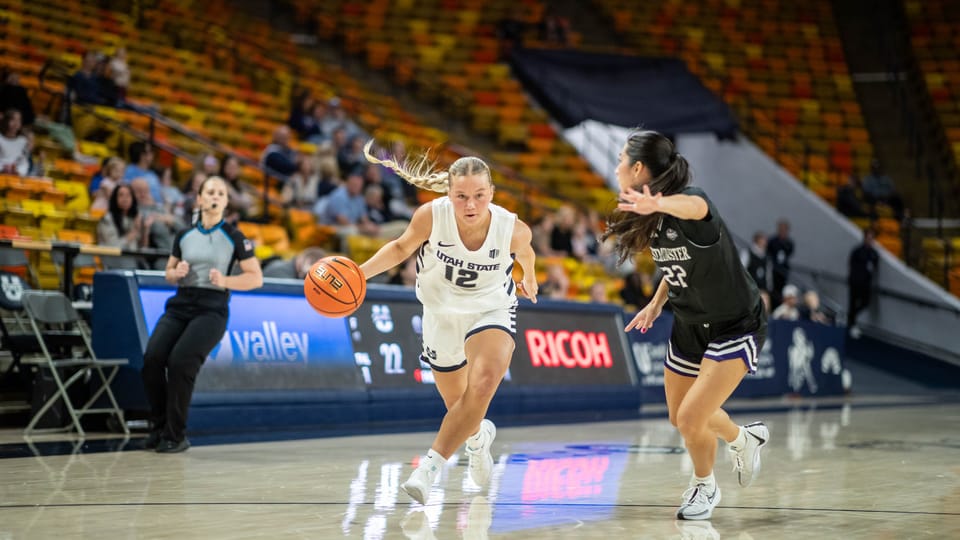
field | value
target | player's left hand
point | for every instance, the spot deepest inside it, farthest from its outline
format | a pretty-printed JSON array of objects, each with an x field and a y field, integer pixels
[
  {"x": 528, "y": 288},
  {"x": 217, "y": 278},
  {"x": 639, "y": 202}
]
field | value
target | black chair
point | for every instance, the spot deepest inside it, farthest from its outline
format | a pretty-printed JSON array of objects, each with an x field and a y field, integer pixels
[
  {"x": 17, "y": 258},
  {"x": 65, "y": 345},
  {"x": 16, "y": 336}
]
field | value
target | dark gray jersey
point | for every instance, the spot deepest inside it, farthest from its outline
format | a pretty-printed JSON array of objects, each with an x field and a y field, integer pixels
[
  {"x": 699, "y": 261},
  {"x": 219, "y": 247}
]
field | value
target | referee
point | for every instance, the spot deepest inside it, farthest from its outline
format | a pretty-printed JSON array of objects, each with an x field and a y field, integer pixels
[{"x": 195, "y": 318}]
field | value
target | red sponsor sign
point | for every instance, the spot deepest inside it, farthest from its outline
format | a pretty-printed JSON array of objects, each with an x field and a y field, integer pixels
[{"x": 566, "y": 349}]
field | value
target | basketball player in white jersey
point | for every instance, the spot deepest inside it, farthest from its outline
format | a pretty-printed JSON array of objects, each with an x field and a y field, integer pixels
[{"x": 466, "y": 247}]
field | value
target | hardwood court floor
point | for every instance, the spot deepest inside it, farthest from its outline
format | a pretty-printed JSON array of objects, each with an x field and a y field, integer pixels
[{"x": 852, "y": 472}]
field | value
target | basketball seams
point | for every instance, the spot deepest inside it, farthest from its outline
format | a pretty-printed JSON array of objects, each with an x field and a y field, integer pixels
[{"x": 356, "y": 271}]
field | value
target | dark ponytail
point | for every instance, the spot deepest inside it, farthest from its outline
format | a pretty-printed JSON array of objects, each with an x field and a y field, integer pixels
[{"x": 669, "y": 175}]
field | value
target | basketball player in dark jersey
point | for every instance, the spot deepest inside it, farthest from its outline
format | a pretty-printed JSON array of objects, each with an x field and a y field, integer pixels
[{"x": 719, "y": 322}]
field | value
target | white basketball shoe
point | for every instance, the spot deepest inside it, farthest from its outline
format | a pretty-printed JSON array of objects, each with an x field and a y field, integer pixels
[
  {"x": 698, "y": 502},
  {"x": 746, "y": 460},
  {"x": 420, "y": 481},
  {"x": 480, "y": 460}
]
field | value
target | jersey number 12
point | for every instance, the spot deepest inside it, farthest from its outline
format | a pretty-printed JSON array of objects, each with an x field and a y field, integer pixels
[{"x": 465, "y": 278}]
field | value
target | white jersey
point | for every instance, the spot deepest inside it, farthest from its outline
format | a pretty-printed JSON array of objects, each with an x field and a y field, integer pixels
[{"x": 453, "y": 279}]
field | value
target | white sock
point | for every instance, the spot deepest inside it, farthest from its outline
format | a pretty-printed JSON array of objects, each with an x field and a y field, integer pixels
[
  {"x": 708, "y": 481},
  {"x": 741, "y": 439},
  {"x": 433, "y": 461}
]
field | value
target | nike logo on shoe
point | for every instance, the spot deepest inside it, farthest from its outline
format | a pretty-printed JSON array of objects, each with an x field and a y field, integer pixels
[{"x": 441, "y": 244}]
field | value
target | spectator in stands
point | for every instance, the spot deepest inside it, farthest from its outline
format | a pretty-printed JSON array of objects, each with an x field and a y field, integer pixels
[
  {"x": 392, "y": 195},
  {"x": 15, "y": 96},
  {"x": 15, "y": 147},
  {"x": 339, "y": 139},
  {"x": 98, "y": 177},
  {"x": 637, "y": 289},
  {"x": 398, "y": 148},
  {"x": 405, "y": 274},
  {"x": 240, "y": 200},
  {"x": 350, "y": 157},
  {"x": 388, "y": 225},
  {"x": 119, "y": 73},
  {"x": 173, "y": 197},
  {"x": 210, "y": 165},
  {"x": 303, "y": 187},
  {"x": 279, "y": 158},
  {"x": 561, "y": 237},
  {"x": 598, "y": 292},
  {"x": 811, "y": 310},
  {"x": 879, "y": 188},
  {"x": 85, "y": 84},
  {"x": 329, "y": 179},
  {"x": 295, "y": 267},
  {"x": 377, "y": 210},
  {"x": 586, "y": 231},
  {"x": 557, "y": 283},
  {"x": 122, "y": 226},
  {"x": 111, "y": 177},
  {"x": 300, "y": 120},
  {"x": 141, "y": 159},
  {"x": 313, "y": 124},
  {"x": 346, "y": 208},
  {"x": 779, "y": 251},
  {"x": 190, "y": 191},
  {"x": 159, "y": 225},
  {"x": 754, "y": 259},
  {"x": 863, "y": 265},
  {"x": 541, "y": 230},
  {"x": 335, "y": 117},
  {"x": 850, "y": 198},
  {"x": 788, "y": 310}
]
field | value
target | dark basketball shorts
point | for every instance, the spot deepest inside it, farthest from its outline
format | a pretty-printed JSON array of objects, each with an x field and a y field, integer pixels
[{"x": 741, "y": 338}]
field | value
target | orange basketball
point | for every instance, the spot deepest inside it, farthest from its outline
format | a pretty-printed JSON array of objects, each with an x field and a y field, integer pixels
[{"x": 335, "y": 286}]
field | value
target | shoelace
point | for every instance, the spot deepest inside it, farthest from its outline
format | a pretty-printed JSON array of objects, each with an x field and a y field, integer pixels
[
  {"x": 695, "y": 492},
  {"x": 737, "y": 460}
]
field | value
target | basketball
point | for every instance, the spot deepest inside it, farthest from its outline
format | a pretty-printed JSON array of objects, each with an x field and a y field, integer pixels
[{"x": 335, "y": 286}]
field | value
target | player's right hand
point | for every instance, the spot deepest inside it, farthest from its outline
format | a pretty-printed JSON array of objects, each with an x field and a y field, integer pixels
[
  {"x": 644, "y": 319},
  {"x": 181, "y": 269}
]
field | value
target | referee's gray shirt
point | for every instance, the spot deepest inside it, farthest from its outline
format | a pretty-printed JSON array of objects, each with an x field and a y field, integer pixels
[{"x": 218, "y": 247}]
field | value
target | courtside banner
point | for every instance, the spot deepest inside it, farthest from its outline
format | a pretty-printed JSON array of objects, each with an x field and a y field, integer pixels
[
  {"x": 273, "y": 341},
  {"x": 797, "y": 358},
  {"x": 570, "y": 343}
]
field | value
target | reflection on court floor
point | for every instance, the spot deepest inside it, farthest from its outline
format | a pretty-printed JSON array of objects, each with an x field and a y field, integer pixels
[{"x": 847, "y": 472}]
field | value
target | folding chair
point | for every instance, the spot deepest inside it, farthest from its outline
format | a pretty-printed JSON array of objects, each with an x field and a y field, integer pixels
[
  {"x": 15, "y": 336},
  {"x": 16, "y": 261},
  {"x": 60, "y": 329}
]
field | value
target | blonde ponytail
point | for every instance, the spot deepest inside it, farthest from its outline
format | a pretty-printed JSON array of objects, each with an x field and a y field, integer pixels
[{"x": 419, "y": 172}]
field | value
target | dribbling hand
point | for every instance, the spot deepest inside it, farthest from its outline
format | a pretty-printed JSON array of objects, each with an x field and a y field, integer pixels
[
  {"x": 644, "y": 319},
  {"x": 181, "y": 269}
]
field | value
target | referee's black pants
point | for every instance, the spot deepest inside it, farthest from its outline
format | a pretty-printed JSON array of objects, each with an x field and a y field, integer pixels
[{"x": 191, "y": 326}]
